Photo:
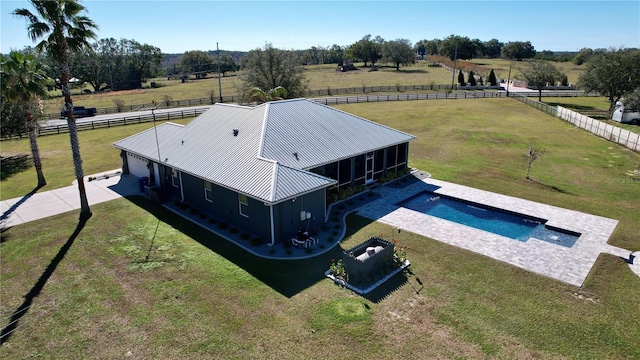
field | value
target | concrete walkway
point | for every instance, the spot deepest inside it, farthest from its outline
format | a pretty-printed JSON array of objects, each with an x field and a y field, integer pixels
[{"x": 106, "y": 186}]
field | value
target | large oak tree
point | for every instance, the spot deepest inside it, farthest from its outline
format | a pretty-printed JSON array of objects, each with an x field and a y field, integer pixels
[{"x": 613, "y": 74}]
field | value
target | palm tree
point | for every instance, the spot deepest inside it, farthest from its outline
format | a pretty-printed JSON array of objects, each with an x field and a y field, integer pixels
[
  {"x": 62, "y": 29},
  {"x": 24, "y": 80},
  {"x": 260, "y": 96}
]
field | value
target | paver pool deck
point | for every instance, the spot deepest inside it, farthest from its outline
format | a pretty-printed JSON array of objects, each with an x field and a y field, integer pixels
[{"x": 568, "y": 264}]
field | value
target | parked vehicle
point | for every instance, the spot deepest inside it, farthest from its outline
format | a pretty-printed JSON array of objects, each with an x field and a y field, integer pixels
[
  {"x": 79, "y": 111},
  {"x": 623, "y": 115}
]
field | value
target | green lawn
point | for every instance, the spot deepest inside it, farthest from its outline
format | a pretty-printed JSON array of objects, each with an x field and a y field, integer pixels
[
  {"x": 138, "y": 282},
  {"x": 96, "y": 146}
]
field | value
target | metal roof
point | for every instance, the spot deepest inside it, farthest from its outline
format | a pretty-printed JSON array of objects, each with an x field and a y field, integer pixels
[
  {"x": 320, "y": 134},
  {"x": 251, "y": 149}
]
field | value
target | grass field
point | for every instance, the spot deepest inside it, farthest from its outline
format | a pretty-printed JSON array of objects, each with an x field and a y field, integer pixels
[
  {"x": 137, "y": 282},
  {"x": 98, "y": 155},
  {"x": 320, "y": 77}
]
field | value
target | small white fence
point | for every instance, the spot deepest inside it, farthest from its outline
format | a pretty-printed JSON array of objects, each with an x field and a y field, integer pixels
[{"x": 612, "y": 133}]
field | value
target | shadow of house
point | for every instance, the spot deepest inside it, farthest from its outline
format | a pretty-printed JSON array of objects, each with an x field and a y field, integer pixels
[{"x": 287, "y": 277}]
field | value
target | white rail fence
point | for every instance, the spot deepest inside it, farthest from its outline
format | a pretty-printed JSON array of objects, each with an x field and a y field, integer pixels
[{"x": 612, "y": 133}]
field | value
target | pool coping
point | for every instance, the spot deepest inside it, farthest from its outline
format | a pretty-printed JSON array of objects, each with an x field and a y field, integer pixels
[{"x": 570, "y": 265}]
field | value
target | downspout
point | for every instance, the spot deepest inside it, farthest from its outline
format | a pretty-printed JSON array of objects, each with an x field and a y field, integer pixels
[
  {"x": 273, "y": 235},
  {"x": 181, "y": 188}
]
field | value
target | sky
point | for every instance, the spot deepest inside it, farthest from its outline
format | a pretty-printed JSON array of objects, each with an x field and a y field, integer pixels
[{"x": 177, "y": 26}]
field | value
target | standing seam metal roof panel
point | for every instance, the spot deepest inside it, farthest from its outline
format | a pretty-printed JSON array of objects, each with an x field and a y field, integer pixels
[{"x": 319, "y": 134}]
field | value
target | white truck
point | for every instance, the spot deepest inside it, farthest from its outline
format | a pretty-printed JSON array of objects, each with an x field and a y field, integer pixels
[{"x": 620, "y": 114}]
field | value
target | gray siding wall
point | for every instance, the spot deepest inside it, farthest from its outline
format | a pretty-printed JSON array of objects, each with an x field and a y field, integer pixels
[
  {"x": 225, "y": 207},
  {"x": 287, "y": 214}
]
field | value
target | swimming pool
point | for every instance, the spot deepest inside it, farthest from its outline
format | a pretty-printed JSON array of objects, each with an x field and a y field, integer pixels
[{"x": 501, "y": 222}]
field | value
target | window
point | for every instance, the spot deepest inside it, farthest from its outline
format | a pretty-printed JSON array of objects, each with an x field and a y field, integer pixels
[
  {"x": 175, "y": 181},
  {"x": 207, "y": 191},
  {"x": 243, "y": 203}
]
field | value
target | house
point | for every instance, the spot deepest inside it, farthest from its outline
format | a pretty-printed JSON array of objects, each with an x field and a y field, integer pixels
[{"x": 269, "y": 169}]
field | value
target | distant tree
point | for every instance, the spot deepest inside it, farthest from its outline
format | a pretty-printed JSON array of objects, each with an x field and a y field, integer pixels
[
  {"x": 472, "y": 79},
  {"x": 478, "y": 46},
  {"x": 493, "y": 48},
  {"x": 492, "y": 78},
  {"x": 632, "y": 100},
  {"x": 480, "y": 80},
  {"x": 398, "y": 52},
  {"x": 367, "y": 49},
  {"x": 197, "y": 62},
  {"x": 335, "y": 54},
  {"x": 564, "y": 80},
  {"x": 95, "y": 65},
  {"x": 431, "y": 46},
  {"x": 540, "y": 73},
  {"x": 461, "y": 78},
  {"x": 612, "y": 74},
  {"x": 583, "y": 56},
  {"x": 227, "y": 64},
  {"x": 466, "y": 49},
  {"x": 518, "y": 50},
  {"x": 531, "y": 156},
  {"x": 269, "y": 68},
  {"x": 24, "y": 80},
  {"x": 547, "y": 55},
  {"x": 145, "y": 61},
  {"x": 62, "y": 28}
]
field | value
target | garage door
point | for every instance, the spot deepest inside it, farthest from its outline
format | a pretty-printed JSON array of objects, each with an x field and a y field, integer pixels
[{"x": 137, "y": 166}]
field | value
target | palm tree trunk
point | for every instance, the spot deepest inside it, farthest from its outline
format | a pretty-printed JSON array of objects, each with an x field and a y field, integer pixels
[
  {"x": 85, "y": 212},
  {"x": 35, "y": 153}
]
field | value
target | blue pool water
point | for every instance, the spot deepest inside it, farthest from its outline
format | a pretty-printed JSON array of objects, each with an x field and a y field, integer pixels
[{"x": 512, "y": 225}]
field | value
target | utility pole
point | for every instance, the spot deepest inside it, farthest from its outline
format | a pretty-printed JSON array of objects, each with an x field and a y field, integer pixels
[
  {"x": 508, "y": 80},
  {"x": 219, "y": 83},
  {"x": 455, "y": 60}
]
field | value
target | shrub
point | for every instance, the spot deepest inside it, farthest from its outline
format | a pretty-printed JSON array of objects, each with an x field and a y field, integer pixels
[
  {"x": 492, "y": 79},
  {"x": 472, "y": 79},
  {"x": 461, "y": 78},
  {"x": 212, "y": 96},
  {"x": 119, "y": 103},
  {"x": 167, "y": 99}
]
